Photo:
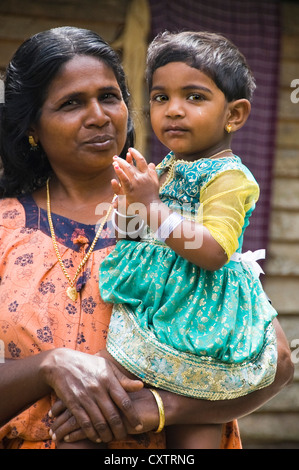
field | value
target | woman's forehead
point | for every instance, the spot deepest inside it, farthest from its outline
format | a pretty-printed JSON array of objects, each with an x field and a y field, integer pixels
[{"x": 82, "y": 72}]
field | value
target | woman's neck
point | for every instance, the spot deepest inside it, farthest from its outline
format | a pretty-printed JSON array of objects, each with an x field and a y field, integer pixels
[{"x": 77, "y": 198}]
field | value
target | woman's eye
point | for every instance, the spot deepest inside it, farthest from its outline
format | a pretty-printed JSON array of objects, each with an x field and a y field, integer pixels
[
  {"x": 70, "y": 103},
  {"x": 109, "y": 97}
]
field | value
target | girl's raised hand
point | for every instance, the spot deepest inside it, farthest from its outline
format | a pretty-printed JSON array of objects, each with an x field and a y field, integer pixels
[{"x": 139, "y": 182}]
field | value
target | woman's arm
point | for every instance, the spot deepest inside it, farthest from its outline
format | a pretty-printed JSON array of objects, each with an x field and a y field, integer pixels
[
  {"x": 90, "y": 386},
  {"x": 181, "y": 410},
  {"x": 184, "y": 410},
  {"x": 20, "y": 385}
]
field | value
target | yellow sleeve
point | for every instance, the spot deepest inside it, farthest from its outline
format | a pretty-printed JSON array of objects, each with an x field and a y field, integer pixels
[{"x": 224, "y": 202}]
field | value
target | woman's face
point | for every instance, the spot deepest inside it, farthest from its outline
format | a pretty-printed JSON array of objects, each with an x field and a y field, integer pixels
[{"x": 83, "y": 121}]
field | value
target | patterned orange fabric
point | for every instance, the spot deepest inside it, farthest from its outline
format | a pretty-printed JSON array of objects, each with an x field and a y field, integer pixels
[{"x": 37, "y": 315}]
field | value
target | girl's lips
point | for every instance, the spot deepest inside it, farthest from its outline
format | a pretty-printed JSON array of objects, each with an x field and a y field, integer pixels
[
  {"x": 175, "y": 128},
  {"x": 175, "y": 131}
]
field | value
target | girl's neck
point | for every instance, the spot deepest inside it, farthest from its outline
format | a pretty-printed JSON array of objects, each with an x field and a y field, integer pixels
[{"x": 209, "y": 154}]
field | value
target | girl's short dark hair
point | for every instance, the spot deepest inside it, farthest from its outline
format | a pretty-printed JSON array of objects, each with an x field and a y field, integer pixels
[
  {"x": 211, "y": 53},
  {"x": 27, "y": 79}
]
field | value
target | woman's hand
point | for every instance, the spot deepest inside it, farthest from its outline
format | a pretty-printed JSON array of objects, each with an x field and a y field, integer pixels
[
  {"x": 94, "y": 391},
  {"x": 65, "y": 426}
]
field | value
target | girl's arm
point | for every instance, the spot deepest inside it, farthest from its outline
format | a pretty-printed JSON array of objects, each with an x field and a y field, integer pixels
[{"x": 190, "y": 240}]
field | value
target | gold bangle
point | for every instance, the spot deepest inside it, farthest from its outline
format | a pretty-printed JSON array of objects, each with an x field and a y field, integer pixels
[{"x": 161, "y": 410}]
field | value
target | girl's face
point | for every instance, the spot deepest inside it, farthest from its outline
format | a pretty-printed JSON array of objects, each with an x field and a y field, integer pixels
[
  {"x": 83, "y": 121},
  {"x": 188, "y": 111}
]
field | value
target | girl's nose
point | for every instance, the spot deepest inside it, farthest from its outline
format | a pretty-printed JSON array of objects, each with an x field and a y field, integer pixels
[
  {"x": 175, "y": 108},
  {"x": 96, "y": 115}
]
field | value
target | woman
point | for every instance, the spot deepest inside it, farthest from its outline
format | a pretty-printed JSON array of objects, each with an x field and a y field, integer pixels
[{"x": 65, "y": 117}]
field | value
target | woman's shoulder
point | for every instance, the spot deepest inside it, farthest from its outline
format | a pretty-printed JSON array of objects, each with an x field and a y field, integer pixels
[{"x": 12, "y": 214}]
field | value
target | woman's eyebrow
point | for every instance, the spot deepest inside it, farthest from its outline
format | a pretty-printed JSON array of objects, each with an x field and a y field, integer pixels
[
  {"x": 78, "y": 94},
  {"x": 69, "y": 96}
]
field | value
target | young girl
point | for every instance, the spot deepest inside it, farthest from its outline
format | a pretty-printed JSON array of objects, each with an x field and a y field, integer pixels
[{"x": 190, "y": 314}]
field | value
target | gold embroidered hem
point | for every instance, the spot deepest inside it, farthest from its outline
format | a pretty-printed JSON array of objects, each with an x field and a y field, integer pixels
[{"x": 187, "y": 374}]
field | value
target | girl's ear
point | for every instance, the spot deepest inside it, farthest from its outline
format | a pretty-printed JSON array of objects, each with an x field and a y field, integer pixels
[{"x": 239, "y": 111}]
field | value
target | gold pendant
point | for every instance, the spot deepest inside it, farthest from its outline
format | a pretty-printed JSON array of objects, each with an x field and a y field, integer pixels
[{"x": 72, "y": 293}]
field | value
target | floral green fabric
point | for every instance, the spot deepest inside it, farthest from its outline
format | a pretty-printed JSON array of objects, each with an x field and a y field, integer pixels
[{"x": 221, "y": 316}]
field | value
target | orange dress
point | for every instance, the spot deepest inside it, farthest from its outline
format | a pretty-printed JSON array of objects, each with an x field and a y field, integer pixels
[{"x": 36, "y": 314}]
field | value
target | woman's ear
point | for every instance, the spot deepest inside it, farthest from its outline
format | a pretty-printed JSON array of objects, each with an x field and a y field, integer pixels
[
  {"x": 32, "y": 132},
  {"x": 239, "y": 111}
]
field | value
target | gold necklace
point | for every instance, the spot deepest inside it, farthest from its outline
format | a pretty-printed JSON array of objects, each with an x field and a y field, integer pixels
[
  {"x": 173, "y": 161},
  {"x": 71, "y": 290}
]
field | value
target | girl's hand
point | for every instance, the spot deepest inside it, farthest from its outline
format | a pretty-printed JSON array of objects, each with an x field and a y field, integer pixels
[
  {"x": 95, "y": 392},
  {"x": 138, "y": 183}
]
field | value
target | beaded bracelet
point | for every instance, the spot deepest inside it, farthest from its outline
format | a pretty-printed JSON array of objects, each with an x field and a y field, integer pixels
[
  {"x": 168, "y": 226},
  {"x": 160, "y": 405}
]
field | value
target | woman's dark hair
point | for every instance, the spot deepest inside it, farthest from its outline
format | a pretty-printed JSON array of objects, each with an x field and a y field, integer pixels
[
  {"x": 210, "y": 53},
  {"x": 28, "y": 77}
]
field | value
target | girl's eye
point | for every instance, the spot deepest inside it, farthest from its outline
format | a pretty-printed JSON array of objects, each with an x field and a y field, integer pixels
[
  {"x": 195, "y": 97},
  {"x": 159, "y": 98}
]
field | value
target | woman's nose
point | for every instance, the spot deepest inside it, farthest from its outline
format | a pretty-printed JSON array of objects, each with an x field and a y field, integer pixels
[{"x": 96, "y": 115}]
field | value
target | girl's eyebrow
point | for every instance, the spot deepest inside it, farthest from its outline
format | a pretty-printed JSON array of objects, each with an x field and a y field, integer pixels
[
  {"x": 187, "y": 87},
  {"x": 197, "y": 87}
]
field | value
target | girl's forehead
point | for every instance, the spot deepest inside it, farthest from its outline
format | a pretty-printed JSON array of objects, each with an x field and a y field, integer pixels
[{"x": 180, "y": 74}]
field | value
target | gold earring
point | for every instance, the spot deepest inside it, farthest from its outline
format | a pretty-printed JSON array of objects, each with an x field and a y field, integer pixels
[
  {"x": 228, "y": 128},
  {"x": 32, "y": 142}
]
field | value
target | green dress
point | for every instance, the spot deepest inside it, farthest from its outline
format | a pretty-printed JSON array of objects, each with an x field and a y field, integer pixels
[{"x": 199, "y": 333}]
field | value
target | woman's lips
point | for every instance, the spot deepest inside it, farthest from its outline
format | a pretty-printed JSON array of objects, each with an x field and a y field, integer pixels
[{"x": 99, "y": 141}]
